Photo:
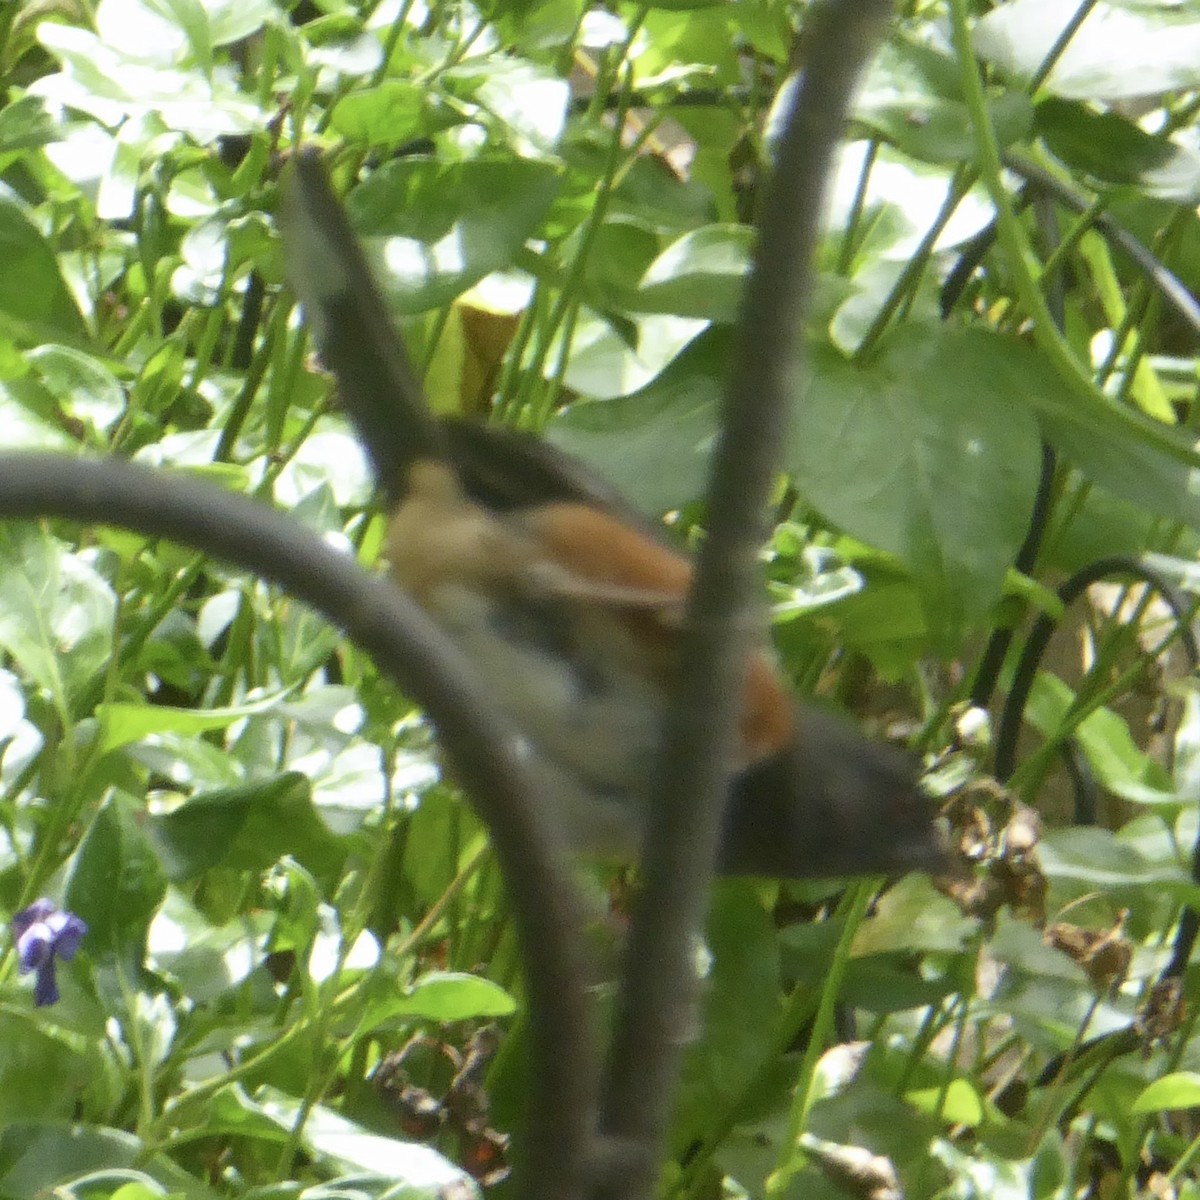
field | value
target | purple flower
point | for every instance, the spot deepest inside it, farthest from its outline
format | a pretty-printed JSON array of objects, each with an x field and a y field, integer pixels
[{"x": 42, "y": 934}]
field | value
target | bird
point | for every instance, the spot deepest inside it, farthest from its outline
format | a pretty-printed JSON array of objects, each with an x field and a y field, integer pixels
[{"x": 568, "y": 603}]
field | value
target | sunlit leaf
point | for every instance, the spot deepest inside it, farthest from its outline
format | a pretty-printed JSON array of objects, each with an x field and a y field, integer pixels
[
  {"x": 436, "y": 228},
  {"x": 1120, "y": 50},
  {"x": 1180, "y": 1089}
]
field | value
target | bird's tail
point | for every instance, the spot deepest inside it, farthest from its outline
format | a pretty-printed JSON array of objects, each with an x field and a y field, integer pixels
[{"x": 352, "y": 327}]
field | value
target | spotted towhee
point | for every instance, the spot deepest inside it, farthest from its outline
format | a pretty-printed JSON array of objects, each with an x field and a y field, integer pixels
[{"x": 568, "y": 603}]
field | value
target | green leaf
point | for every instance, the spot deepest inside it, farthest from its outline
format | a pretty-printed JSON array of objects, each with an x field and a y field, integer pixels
[
  {"x": 394, "y": 112},
  {"x": 958, "y": 1103},
  {"x": 124, "y": 723},
  {"x": 1180, "y": 1089},
  {"x": 935, "y": 130},
  {"x": 1120, "y": 51},
  {"x": 1114, "y": 150},
  {"x": 702, "y": 274},
  {"x": 527, "y": 100},
  {"x": 26, "y": 124},
  {"x": 923, "y": 453},
  {"x": 38, "y": 1158},
  {"x": 136, "y": 1189},
  {"x": 1120, "y": 765},
  {"x": 203, "y": 958},
  {"x": 914, "y": 917},
  {"x": 1097, "y": 859},
  {"x": 653, "y": 446},
  {"x": 442, "y": 996},
  {"x": 248, "y": 828},
  {"x": 340, "y": 1143},
  {"x": 115, "y": 884},
  {"x": 608, "y": 359},
  {"x": 435, "y": 228},
  {"x": 35, "y": 303},
  {"x": 1129, "y": 467},
  {"x": 741, "y": 1008},
  {"x": 231, "y": 21},
  {"x": 56, "y": 612},
  {"x": 40, "y": 1070},
  {"x": 83, "y": 385},
  {"x": 109, "y": 84}
]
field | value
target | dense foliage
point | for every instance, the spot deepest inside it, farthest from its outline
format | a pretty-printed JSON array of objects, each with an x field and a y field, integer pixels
[{"x": 298, "y": 975}]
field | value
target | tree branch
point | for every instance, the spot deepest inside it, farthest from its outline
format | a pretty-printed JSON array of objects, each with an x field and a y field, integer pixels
[
  {"x": 406, "y": 644},
  {"x": 657, "y": 995}
]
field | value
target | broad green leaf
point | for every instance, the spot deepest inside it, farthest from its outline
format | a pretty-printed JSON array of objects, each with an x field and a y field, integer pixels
[
  {"x": 82, "y": 384},
  {"x": 1120, "y": 765},
  {"x": 26, "y": 124},
  {"x": 872, "y": 288},
  {"x": 1097, "y": 859},
  {"x": 436, "y": 228},
  {"x": 40, "y": 1157},
  {"x": 114, "y": 882},
  {"x": 40, "y": 1070},
  {"x": 56, "y": 612},
  {"x": 340, "y": 1143},
  {"x": 151, "y": 31},
  {"x": 653, "y": 446},
  {"x": 702, "y": 274},
  {"x": 530, "y": 102},
  {"x": 138, "y": 1187},
  {"x": 231, "y": 21},
  {"x": 912, "y": 98},
  {"x": 110, "y": 85},
  {"x": 247, "y": 828},
  {"x": 924, "y": 453},
  {"x": 695, "y": 43},
  {"x": 937, "y": 130},
  {"x": 959, "y": 1103},
  {"x": 124, "y": 723},
  {"x": 1120, "y": 51},
  {"x": 1180, "y": 1089},
  {"x": 233, "y": 1112},
  {"x": 608, "y": 360},
  {"x": 914, "y": 917},
  {"x": 902, "y": 199},
  {"x": 620, "y": 254},
  {"x": 34, "y": 300},
  {"x": 1114, "y": 150},
  {"x": 204, "y": 958},
  {"x": 394, "y": 112},
  {"x": 888, "y": 983},
  {"x": 741, "y": 1008},
  {"x": 442, "y": 996},
  {"x": 1121, "y": 462}
]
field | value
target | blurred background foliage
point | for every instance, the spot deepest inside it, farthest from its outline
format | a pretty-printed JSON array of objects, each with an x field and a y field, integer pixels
[{"x": 299, "y": 978}]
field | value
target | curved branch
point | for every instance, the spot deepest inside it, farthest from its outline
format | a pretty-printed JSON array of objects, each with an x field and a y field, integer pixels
[
  {"x": 659, "y": 982},
  {"x": 1039, "y": 637},
  {"x": 1009, "y": 726},
  {"x": 1172, "y": 288},
  {"x": 1168, "y": 283},
  {"x": 405, "y": 643}
]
